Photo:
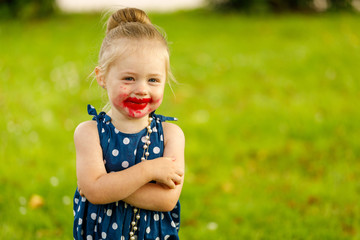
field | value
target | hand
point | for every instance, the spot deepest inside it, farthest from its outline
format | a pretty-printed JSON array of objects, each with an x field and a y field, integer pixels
[{"x": 165, "y": 171}]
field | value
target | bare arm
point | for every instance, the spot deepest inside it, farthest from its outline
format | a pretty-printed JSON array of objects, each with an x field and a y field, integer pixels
[
  {"x": 158, "y": 197},
  {"x": 101, "y": 187}
]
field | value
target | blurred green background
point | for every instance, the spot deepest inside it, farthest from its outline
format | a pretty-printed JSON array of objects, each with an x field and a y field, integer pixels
[{"x": 268, "y": 103}]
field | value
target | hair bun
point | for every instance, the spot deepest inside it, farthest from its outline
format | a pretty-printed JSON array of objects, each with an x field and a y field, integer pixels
[{"x": 127, "y": 15}]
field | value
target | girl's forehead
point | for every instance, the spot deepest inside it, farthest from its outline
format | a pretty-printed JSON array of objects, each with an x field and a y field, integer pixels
[
  {"x": 143, "y": 46},
  {"x": 142, "y": 50},
  {"x": 142, "y": 57}
]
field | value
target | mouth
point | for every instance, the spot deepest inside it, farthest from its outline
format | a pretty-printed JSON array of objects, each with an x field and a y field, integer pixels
[{"x": 136, "y": 103}]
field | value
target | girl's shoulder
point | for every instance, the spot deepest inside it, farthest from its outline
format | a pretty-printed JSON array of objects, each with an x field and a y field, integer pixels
[
  {"x": 172, "y": 131},
  {"x": 87, "y": 129}
]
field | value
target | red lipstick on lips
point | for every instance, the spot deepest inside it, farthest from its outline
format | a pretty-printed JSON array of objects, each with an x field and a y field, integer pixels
[{"x": 136, "y": 103}]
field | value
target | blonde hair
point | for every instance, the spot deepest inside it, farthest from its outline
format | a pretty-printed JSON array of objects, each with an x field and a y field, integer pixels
[{"x": 133, "y": 24}]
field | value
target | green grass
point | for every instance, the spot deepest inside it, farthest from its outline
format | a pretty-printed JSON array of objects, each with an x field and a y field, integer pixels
[{"x": 269, "y": 107}]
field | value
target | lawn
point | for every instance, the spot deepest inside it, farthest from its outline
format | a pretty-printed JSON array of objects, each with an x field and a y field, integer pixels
[{"x": 268, "y": 104}]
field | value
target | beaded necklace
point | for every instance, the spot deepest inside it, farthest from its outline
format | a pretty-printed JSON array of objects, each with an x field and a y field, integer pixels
[{"x": 144, "y": 157}]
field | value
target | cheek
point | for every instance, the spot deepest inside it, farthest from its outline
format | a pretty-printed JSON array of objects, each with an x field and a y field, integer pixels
[
  {"x": 156, "y": 103},
  {"x": 158, "y": 96},
  {"x": 118, "y": 100}
]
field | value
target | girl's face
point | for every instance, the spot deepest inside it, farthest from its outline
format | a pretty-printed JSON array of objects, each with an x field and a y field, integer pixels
[{"x": 135, "y": 81}]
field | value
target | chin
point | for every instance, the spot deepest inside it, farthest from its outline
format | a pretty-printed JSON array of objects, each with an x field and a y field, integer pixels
[{"x": 138, "y": 113}]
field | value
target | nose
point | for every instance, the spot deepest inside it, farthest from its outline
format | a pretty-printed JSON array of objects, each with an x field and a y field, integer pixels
[{"x": 141, "y": 88}]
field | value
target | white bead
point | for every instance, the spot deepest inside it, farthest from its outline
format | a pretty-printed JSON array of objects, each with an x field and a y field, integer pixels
[
  {"x": 147, "y": 154},
  {"x": 143, "y": 159},
  {"x": 135, "y": 210},
  {"x": 149, "y": 131},
  {"x": 135, "y": 228},
  {"x": 147, "y": 137},
  {"x": 133, "y": 223},
  {"x": 145, "y": 146},
  {"x": 132, "y": 238},
  {"x": 131, "y": 234},
  {"x": 138, "y": 216},
  {"x": 149, "y": 127},
  {"x": 148, "y": 142}
]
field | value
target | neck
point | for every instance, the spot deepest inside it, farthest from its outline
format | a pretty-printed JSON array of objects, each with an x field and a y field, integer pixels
[{"x": 128, "y": 125}]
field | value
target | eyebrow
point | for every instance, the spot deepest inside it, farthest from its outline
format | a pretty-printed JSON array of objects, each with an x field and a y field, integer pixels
[
  {"x": 149, "y": 75},
  {"x": 155, "y": 75},
  {"x": 130, "y": 73}
]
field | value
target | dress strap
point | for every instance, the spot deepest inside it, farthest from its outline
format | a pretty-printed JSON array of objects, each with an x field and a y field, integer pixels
[
  {"x": 161, "y": 118},
  {"x": 98, "y": 117},
  {"x": 91, "y": 110}
]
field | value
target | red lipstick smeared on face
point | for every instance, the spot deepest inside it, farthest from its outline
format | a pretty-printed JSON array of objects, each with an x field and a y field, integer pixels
[{"x": 136, "y": 103}]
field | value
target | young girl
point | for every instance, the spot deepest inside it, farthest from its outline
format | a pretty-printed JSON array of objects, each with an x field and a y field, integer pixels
[{"x": 129, "y": 161}]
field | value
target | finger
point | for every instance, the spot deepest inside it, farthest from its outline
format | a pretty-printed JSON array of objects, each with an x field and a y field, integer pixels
[
  {"x": 177, "y": 180},
  {"x": 162, "y": 184},
  {"x": 177, "y": 183},
  {"x": 171, "y": 184},
  {"x": 180, "y": 172}
]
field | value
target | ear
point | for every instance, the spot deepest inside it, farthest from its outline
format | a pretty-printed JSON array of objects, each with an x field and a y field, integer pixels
[{"x": 100, "y": 77}]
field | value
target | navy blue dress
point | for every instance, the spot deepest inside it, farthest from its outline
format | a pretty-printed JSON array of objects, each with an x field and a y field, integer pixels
[{"x": 113, "y": 220}]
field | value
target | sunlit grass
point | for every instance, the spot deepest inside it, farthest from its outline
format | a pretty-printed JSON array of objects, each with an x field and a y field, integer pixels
[{"x": 268, "y": 105}]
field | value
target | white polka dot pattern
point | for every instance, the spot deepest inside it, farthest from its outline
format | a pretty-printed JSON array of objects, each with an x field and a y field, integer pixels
[
  {"x": 114, "y": 226},
  {"x": 125, "y": 164},
  {"x": 156, "y": 150},
  {"x": 109, "y": 212},
  {"x": 115, "y": 152},
  {"x": 126, "y": 141}
]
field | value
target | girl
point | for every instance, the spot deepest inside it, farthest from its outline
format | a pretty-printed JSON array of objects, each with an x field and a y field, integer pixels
[{"x": 123, "y": 194}]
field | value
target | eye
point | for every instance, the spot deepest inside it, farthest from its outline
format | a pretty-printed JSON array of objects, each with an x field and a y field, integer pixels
[
  {"x": 153, "y": 80},
  {"x": 129, "y": 78}
]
